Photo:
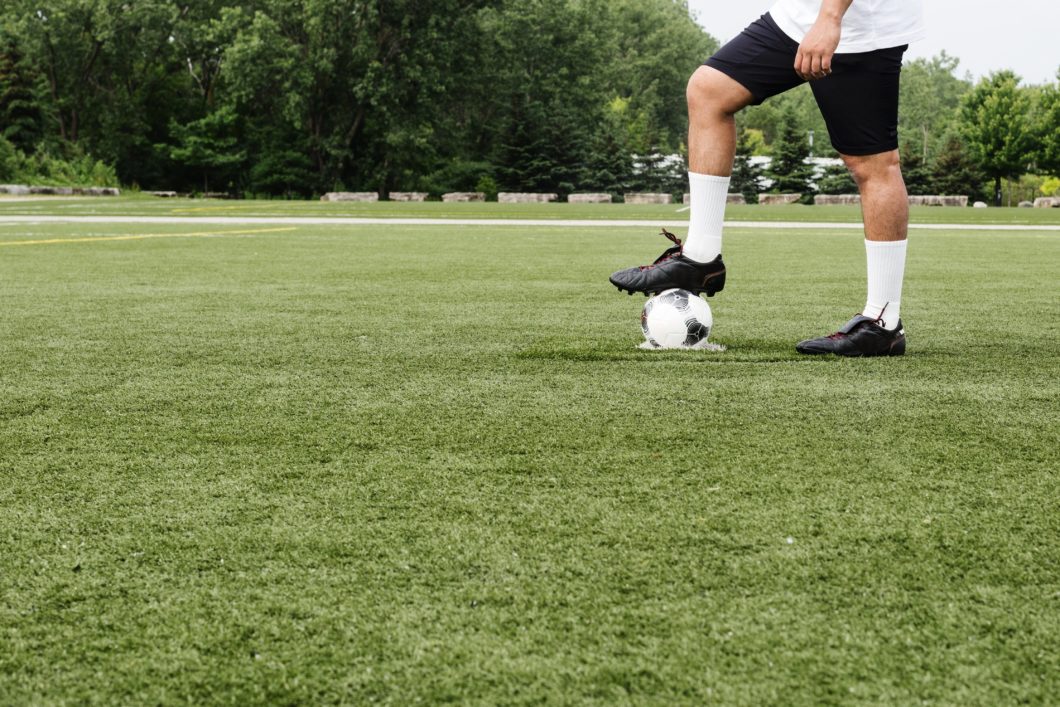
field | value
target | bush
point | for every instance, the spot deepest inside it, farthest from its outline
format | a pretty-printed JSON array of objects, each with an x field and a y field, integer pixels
[
  {"x": 457, "y": 175},
  {"x": 45, "y": 168},
  {"x": 11, "y": 162}
]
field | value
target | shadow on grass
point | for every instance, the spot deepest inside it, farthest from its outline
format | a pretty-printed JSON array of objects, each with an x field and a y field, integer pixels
[{"x": 745, "y": 351}]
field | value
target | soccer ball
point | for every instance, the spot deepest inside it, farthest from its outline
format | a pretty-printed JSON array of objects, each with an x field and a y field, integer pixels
[{"x": 676, "y": 319}]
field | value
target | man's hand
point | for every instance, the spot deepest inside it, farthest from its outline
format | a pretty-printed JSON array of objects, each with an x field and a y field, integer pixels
[{"x": 814, "y": 58}]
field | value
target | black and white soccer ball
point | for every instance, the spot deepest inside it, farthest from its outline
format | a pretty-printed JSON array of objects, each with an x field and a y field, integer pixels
[{"x": 676, "y": 319}]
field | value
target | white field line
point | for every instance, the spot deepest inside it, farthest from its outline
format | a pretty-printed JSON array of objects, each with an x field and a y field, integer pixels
[{"x": 537, "y": 223}]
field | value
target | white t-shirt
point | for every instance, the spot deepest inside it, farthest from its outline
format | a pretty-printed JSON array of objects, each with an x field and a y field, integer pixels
[{"x": 868, "y": 24}]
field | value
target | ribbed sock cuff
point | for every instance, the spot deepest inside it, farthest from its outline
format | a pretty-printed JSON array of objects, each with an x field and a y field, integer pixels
[
  {"x": 708, "y": 194},
  {"x": 886, "y": 273}
]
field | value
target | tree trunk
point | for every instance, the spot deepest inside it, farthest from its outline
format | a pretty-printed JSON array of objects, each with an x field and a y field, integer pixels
[{"x": 997, "y": 191}]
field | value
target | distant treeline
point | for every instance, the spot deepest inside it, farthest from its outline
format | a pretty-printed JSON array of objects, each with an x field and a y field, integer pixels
[{"x": 299, "y": 97}]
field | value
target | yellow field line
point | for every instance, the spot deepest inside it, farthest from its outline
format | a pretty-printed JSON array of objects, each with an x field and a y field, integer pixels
[{"x": 142, "y": 236}]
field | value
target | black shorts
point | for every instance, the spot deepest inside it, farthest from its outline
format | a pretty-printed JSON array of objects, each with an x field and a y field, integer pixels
[{"x": 859, "y": 100}]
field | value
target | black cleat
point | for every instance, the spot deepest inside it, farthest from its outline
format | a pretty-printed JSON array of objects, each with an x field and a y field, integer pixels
[
  {"x": 860, "y": 336},
  {"x": 672, "y": 269}
]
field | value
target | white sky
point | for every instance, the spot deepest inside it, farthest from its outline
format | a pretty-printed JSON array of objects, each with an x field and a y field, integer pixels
[{"x": 1022, "y": 35}]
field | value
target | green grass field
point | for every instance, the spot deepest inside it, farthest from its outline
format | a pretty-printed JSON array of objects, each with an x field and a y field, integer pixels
[
  {"x": 323, "y": 464},
  {"x": 151, "y": 206}
]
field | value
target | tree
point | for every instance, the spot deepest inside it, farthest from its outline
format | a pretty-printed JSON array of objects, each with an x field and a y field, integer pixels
[
  {"x": 746, "y": 175},
  {"x": 304, "y": 95},
  {"x": 770, "y": 116},
  {"x": 789, "y": 170},
  {"x": 210, "y": 144},
  {"x": 657, "y": 45},
  {"x": 955, "y": 173},
  {"x": 916, "y": 172},
  {"x": 836, "y": 179},
  {"x": 609, "y": 164},
  {"x": 997, "y": 129},
  {"x": 1048, "y": 129},
  {"x": 21, "y": 120},
  {"x": 928, "y": 105}
]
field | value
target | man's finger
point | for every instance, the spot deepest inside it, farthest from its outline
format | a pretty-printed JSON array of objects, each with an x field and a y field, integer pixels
[
  {"x": 815, "y": 67},
  {"x": 827, "y": 64}
]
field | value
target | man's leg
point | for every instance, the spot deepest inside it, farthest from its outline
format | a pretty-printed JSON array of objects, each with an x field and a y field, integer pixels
[
  {"x": 885, "y": 209},
  {"x": 696, "y": 265},
  {"x": 877, "y": 331},
  {"x": 713, "y": 101},
  {"x": 859, "y": 102}
]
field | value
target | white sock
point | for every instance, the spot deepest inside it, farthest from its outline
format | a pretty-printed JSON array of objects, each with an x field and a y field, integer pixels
[
  {"x": 886, "y": 260},
  {"x": 708, "y": 195}
]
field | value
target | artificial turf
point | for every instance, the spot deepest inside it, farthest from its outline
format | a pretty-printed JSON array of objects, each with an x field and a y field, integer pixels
[{"x": 428, "y": 464}]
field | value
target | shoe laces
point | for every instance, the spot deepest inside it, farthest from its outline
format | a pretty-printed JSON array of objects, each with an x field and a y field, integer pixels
[
  {"x": 676, "y": 249},
  {"x": 878, "y": 321}
]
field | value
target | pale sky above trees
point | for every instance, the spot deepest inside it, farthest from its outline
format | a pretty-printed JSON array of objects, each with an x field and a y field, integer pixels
[{"x": 1019, "y": 34}]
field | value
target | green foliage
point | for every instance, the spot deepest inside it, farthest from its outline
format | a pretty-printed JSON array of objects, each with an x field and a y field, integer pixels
[
  {"x": 746, "y": 175},
  {"x": 930, "y": 96},
  {"x": 955, "y": 173},
  {"x": 756, "y": 142},
  {"x": 609, "y": 164},
  {"x": 12, "y": 161},
  {"x": 1048, "y": 129},
  {"x": 488, "y": 186},
  {"x": 48, "y": 169},
  {"x": 837, "y": 179},
  {"x": 656, "y": 48},
  {"x": 790, "y": 172},
  {"x": 457, "y": 175},
  {"x": 916, "y": 172},
  {"x": 294, "y": 97},
  {"x": 21, "y": 118},
  {"x": 769, "y": 119},
  {"x": 996, "y": 125},
  {"x": 210, "y": 144},
  {"x": 1027, "y": 188}
]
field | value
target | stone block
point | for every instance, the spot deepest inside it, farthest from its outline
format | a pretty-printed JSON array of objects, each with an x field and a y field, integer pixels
[
  {"x": 350, "y": 196},
  {"x": 407, "y": 196},
  {"x": 506, "y": 197},
  {"x": 773, "y": 199},
  {"x": 1026, "y": 205},
  {"x": 979, "y": 205},
  {"x": 647, "y": 198},
  {"x": 589, "y": 199},
  {"x": 937, "y": 200},
  {"x": 836, "y": 199},
  {"x": 461, "y": 196},
  {"x": 1047, "y": 202},
  {"x": 686, "y": 199},
  {"x": 58, "y": 191},
  {"x": 163, "y": 194}
]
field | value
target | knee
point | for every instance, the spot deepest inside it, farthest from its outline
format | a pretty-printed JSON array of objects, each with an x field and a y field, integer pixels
[
  {"x": 710, "y": 91},
  {"x": 869, "y": 168}
]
